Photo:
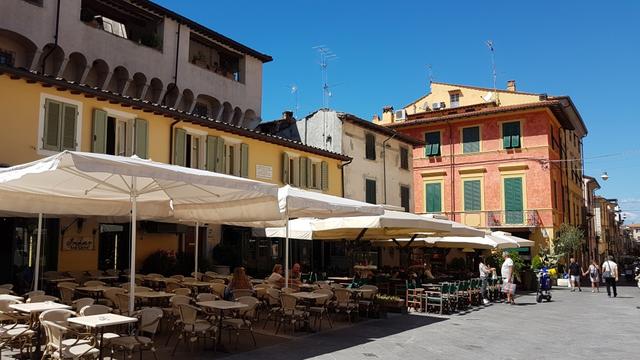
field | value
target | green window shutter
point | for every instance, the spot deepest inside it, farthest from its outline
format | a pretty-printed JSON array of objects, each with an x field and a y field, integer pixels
[
  {"x": 285, "y": 168},
  {"x": 432, "y": 143},
  {"x": 511, "y": 135},
  {"x": 179, "y": 143},
  {"x": 99, "y": 143},
  {"x": 142, "y": 138},
  {"x": 324, "y": 176},
  {"x": 303, "y": 172},
  {"x": 472, "y": 195},
  {"x": 221, "y": 159},
  {"x": 370, "y": 146},
  {"x": 370, "y": 191},
  {"x": 69, "y": 120},
  {"x": 244, "y": 160},
  {"x": 471, "y": 139},
  {"x": 310, "y": 174},
  {"x": 513, "y": 201},
  {"x": 212, "y": 151},
  {"x": 434, "y": 197},
  {"x": 52, "y": 116}
]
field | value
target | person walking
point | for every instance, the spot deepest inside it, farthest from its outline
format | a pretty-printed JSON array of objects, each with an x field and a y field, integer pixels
[
  {"x": 509, "y": 287},
  {"x": 594, "y": 275},
  {"x": 485, "y": 272},
  {"x": 610, "y": 275},
  {"x": 574, "y": 274}
]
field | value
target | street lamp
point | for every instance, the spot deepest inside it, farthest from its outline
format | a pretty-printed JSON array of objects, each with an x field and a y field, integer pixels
[{"x": 604, "y": 176}]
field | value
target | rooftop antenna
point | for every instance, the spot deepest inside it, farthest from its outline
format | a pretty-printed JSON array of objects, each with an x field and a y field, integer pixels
[
  {"x": 294, "y": 92},
  {"x": 493, "y": 69},
  {"x": 326, "y": 55}
]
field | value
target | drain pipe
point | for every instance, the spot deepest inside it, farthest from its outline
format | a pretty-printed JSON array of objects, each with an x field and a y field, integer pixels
[
  {"x": 342, "y": 173},
  {"x": 55, "y": 37},
  {"x": 384, "y": 164},
  {"x": 175, "y": 73},
  {"x": 452, "y": 162}
]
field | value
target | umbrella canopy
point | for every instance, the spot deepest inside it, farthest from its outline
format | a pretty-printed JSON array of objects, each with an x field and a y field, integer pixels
[
  {"x": 389, "y": 225},
  {"x": 507, "y": 237},
  {"x": 454, "y": 242},
  {"x": 299, "y": 229},
  {"x": 96, "y": 184},
  {"x": 457, "y": 229}
]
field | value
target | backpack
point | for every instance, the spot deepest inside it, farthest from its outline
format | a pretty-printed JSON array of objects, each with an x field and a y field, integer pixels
[{"x": 593, "y": 272}]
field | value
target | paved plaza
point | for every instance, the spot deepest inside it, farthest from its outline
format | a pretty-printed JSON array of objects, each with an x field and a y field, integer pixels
[{"x": 578, "y": 325}]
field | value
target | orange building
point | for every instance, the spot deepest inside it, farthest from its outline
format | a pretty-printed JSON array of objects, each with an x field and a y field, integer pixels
[{"x": 496, "y": 159}]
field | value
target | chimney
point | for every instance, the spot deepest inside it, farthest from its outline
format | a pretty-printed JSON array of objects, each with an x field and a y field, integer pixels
[
  {"x": 511, "y": 85},
  {"x": 287, "y": 115},
  {"x": 375, "y": 119},
  {"x": 387, "y": 115}
]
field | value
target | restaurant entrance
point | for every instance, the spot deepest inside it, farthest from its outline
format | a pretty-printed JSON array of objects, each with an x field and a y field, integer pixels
[{"x": 114, "y": 246}]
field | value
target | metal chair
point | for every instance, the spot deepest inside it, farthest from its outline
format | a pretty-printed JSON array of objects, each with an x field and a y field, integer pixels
[
  {"x": 244, "y": 320},
  {"x": 344, "y": 302},
  {"x": 321, "y": 307},
  {"x": 289, "y": 312},
  {"x": 192, "y": 328},
  {"x": 82, "y": 302},
  {"x": 148, "y": 322},
  {"x": 65, "y": 343}
]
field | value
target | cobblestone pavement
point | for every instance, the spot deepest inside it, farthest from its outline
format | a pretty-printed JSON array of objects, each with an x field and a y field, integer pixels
[{"x": 578, "y": 325}]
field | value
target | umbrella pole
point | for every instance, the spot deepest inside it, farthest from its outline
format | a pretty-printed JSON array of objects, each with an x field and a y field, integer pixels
[
  {"x": 286, "y": 252},
  {"x": 36, "y": 272},
  {"x": 132, "y": 263},
  {"x": 196, "y": 250}
]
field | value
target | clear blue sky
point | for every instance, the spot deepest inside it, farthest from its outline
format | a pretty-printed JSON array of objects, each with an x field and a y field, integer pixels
[{"x": 589, "y": 50}]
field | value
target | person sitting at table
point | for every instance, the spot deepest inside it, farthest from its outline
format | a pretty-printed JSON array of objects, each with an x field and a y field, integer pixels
[
  {"x": 276, "y": 277},
  {"x": 239, "y": 281},
  {"x": 295, "y": 275},
  {"x": 427, "y": 272}
]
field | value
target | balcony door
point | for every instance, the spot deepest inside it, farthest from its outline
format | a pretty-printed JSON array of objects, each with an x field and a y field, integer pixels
[{"x": 513, "y": 201}]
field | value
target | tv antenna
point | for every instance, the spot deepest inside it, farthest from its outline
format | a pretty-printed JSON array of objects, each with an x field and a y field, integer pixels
[
  {"x": 294, "y": 93},
  {"x": 493, "y": 68},
  {"x": 326, "y": 55}
]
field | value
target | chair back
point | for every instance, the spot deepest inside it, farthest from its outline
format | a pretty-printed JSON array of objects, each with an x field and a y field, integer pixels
[
  {"x": 337, "y": 286},
  {"x": 288, "y": 290},
  {"x": 143, "y": 289},
  {"x": 126, "y": 286},
  {"x": 206, "y": 297},
  {"x": 68, "y": 284},
  {"x": 55, "y": 334},
  {"x": 218, "y": 281},
  {"x": 241, "y": 293},
  {"x": 182, "y": 291},
  {"x": 324, "y": 300},
  {"x": 189, "y": 278},
  {"x": 197, "y": 275},
  {"x": 176, "y": 301},
  {"x": 122, "y": 302},
  {"x": 210, "y": 273},
  {"x": 78, "y": 275},
  {"x": 6, "y": 286},
  {"x": 250, "y": 311},
  {"x": 96, "y": 273},
  {"x": 188, "y": 314},
  {"x": 4, "y": 306},
  {"x": 59, "y": 316},
  {"x": 96, "y": 309},
  {"x": 207, "y": 278},
  {"x": 5, "y": 291},
  {"x": 32, "y": 293},
  {"x": 177, "y": 277},
  {"x": 149, "y": 320},
  {"x": 110, "y": 294},
  {"x": 95, "y": 283},
  {"x": 82, "y": 302},
  {"x": 343, "y": 296},
  {"x": 171, "y": 285},
  {"x": 273, "y": 296},
  {"x": 154, "y": 276},
  {"x": 369, "y": 295},
  {"x": 288, "y": 302},
  {"x": 41, "y": 298},
  {"x": 218, "y": 289},
  {"x": 324, "y": 285},
  {"x": 67, "y": 294}
]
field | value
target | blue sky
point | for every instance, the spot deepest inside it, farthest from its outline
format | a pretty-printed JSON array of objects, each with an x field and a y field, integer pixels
[{"x": 589, "y": 50}]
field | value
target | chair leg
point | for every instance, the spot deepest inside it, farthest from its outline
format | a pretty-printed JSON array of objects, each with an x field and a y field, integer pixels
[{"x": 253, "y": 337}]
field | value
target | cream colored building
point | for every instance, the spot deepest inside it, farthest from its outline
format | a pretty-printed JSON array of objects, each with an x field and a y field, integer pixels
[{"x": 139, "y": 49}]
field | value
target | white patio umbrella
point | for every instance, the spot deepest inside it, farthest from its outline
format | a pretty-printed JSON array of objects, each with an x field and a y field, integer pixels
[
  {"x": 458, "y": 229},
  {"x": 104, "y": 185},
  {"x": 503, "y": 236},
  {"x": 298, "y": 203}
]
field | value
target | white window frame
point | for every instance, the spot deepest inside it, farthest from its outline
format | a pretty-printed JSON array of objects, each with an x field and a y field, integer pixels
[
  {"x": 235, "y": 145},
  {"x": 128, "y": 119},
  {"x": 43, "y": 98},
  {"x": 202, "y": 151},
  {"x": 455, "y": 96}
]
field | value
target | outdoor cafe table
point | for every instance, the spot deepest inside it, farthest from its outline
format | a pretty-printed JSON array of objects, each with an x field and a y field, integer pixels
[
  {"x": 154, "y": 297},
  {"x": 309, "y": 299},
  {"x": 105, "y": 278},
  {"x": 11, "y": 297},
  {"x": 340, "y": 279},
  {"x": 59, "y": 280},
  {"x": 197, "y": 285},
  {"x": 93, "y": 291},
  {"x": 307, "y": 287},
  {"x": 221, "y": 306},
  {"x": 34, "y": 309},
  {"x": 100, "y": 322}
]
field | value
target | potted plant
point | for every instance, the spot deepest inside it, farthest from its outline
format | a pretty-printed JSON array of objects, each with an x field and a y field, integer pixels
[{"x": 390, "y": 303}]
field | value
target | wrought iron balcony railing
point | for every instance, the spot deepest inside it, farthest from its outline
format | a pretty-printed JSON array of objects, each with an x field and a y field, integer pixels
[{"x": 509, "y": 218}]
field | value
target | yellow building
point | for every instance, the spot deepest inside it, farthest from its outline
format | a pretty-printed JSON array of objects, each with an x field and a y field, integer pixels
[{"x": 41, "y": 115}]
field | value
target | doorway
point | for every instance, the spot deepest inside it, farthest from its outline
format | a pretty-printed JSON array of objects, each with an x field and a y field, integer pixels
[{"x": 114, "y": 246}]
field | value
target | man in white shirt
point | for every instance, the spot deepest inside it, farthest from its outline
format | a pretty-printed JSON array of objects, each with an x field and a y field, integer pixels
[
  {"x": 610, "y": 275},
  {"x": 507, "y": 276}
]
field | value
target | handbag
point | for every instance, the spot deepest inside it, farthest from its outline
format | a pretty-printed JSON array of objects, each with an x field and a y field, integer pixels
[
  {"x": 509, "y": 288},
  {"x": 607, "y": 274}
]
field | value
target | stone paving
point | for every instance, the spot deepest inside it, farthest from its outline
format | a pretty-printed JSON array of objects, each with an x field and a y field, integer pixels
[{"x": 579, "y": 325}]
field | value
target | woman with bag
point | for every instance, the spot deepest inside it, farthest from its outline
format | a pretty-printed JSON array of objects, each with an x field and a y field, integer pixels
[
  {"x": 508, "y": 286},
  {"x": 594, "y": 276},
  {"x": 610, "y": 275}
]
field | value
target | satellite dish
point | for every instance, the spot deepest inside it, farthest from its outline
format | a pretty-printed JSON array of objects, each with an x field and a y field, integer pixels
[
  {"x": 488, "y": 96},
  {"x": 425, "y": 106}
]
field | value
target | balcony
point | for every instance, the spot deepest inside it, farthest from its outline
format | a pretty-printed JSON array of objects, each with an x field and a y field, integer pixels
[{"x": 516, "y": 219}]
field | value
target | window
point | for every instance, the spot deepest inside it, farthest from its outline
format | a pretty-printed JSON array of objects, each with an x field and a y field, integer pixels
[
  {"x": 404, "y": 158},
  {"x": 405, "y": 197},
  {"x": 115, "y": 135},
  {"x": 60, "y": 123},
  {"x": 472, "y": 195},
  {"x": 315, "y": 176},
  {"x": 471, "y": 139},
  {"x": 304, "y": 172},
  {"x": 432, "y": 143},
  {"x": 454, "y": 99},
  {"x": 370, "y": 146},
  {"x": 513, "y": 200},
  {"x": 511, "y": 135},
  {"x": 433, "y": 197},
  {"x": 370, "y": 191},
  {"x": 6, "y": 58}
]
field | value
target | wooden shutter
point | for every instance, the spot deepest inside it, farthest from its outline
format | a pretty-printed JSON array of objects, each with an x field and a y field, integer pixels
[
  {"x": 324, "y": 176},
  {"x": 405, "y": 198},
  {"x": 51, "y": 135},
  {"x": 212, "y": 152},
  {"x": 221, "y": 159},
  {"x": 513, "y": 201},
  {"x": 310, "y": 179},
  {"x": 511, "y": 135},
  {"x": 303, "y": 172},
  {"x": 244, "y": 160},
  {"x": 285, "y": 168},
  {"x": 434, "y": 197},
  {"x": 179, "y": 143},
  {"x": 99, "y": 140},
  {"x": 471, "y": 139},
  {"x": 432, "y": 146},
  {"x": 370, "y": 191},
  {"x": 142, "y": 138},
  {"x": 472, "y": 195},
  {"x": 370, "y": 146},
  {"x": 69, "y": 119}
]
